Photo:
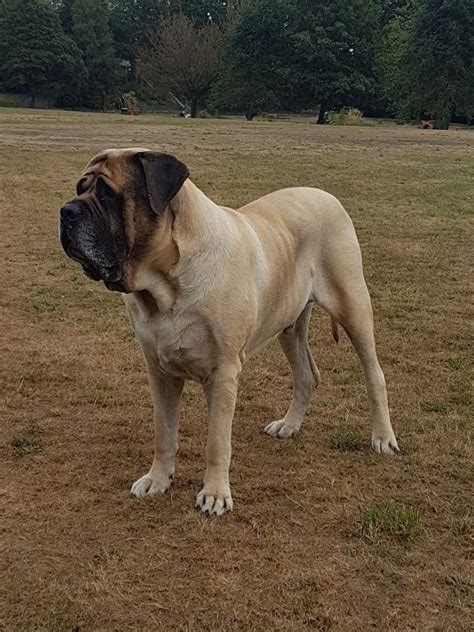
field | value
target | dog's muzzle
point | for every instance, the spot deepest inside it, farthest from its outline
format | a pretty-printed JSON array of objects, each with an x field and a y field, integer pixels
[{"x": 78, "y": 243}]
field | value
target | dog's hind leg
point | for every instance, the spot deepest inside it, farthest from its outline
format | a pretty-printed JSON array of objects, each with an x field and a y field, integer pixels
[
  {"x": 294, "y": 342},
  {"x": 343, "y": 293},
  {"x": 361, "y": 333}
]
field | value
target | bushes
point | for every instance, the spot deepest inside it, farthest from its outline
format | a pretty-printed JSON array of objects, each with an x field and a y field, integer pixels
[
  {"x": 346, "y": 116},
  {"x": 9, "y": 100}
]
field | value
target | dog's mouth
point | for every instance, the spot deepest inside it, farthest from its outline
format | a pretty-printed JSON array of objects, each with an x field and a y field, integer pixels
[
  {"x": 116, "y": 286},
  {"x": 74, "y": 253},
  {"x": 109, "y": 274}
]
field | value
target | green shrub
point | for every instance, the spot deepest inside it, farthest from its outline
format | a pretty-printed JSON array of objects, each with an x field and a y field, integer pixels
[
  {"x": 268, "y": 117},
  {"x": 9, "y": 100},
  {"x": 346, "y": 116}
]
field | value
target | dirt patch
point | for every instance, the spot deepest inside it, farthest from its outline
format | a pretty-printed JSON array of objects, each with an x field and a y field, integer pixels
[{"x": 81, "y": 555}]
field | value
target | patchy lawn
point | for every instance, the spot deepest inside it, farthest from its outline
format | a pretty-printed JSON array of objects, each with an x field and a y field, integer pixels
[{"x": 325, "y": 534}]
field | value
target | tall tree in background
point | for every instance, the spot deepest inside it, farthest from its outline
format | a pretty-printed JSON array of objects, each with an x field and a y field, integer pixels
[
  {"x": 255, "y": 70},
  {"x": 35, "y": 56},
  {"x": 130, "y": 19},
  {"x": 335, "y": 44},
  {"x": 442, "y": 53},
  {"x": 395, "y": 61},
  {"x": 300, "y": 54},
  {"x": 181, "y": 57},
  {"x": 91, "y": 32}
]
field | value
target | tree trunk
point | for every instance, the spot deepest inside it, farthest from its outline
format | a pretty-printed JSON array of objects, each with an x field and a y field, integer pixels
[
  {"x": 321, "y": 116},
  {"x": 442, "y": 117},
  {"x": 442, "y": 122},
  {"x": 194, "y": 107},
  {"x": 33, "y": 101}
]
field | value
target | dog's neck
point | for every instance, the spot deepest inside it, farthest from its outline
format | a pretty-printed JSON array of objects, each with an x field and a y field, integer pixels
[{"x": 186, "y": 250}]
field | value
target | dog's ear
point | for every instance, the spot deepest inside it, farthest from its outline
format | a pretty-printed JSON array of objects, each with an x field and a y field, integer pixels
[{"x": 164, "y": 176}]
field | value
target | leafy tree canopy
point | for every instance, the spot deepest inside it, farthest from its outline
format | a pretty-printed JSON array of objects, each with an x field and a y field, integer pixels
[
  {"x": 91, "y": 32},
  {"x": 395, "y": 64},
  {"x": 35, "y": 55},
  {"x": 335, "y": 43},
  {"x": 299, "y": 54},
  {"x": 405, "y": 57},
  {"x": 442, "y": 51},
  {"x": 256, "y": 61}
]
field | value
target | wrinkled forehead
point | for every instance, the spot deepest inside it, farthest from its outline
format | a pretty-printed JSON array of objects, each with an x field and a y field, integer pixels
[{"x": 111, "y": 163}]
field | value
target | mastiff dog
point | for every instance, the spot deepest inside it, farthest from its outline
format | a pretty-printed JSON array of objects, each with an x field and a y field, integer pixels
[{"x": 206, "y": 287}]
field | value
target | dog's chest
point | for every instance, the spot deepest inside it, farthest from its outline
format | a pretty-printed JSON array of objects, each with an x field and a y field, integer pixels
[{"x": 183, "y": 345}]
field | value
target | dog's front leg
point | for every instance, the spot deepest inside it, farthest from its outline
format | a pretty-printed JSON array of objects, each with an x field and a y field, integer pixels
[
  {"x": 221, "y": 392},
  {"x": 166, "y": 394}
]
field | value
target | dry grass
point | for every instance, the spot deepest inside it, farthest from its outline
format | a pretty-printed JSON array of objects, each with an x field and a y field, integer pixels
[
  {"x": 346, "y": 440},
  {"x": 81, "y": 555}
]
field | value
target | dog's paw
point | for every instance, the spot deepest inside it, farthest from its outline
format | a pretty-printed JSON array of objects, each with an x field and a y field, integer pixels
[
  {"x": 151, "y": 485},
  {"x": 214, "y": 504},
  {"x": 280, "y": 429},
  {"x": 385, "y": 444}
]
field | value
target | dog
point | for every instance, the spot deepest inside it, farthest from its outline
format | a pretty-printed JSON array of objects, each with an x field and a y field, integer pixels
[{"x": 206, "y": 287}]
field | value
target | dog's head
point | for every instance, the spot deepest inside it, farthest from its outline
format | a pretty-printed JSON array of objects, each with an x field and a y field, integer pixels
[{"x": 121, "y": 199}]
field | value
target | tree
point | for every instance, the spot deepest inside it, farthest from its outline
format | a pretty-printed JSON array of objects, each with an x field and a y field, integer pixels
[
  {"x": 181, "y": 57},
  {"x": 255, "y": 70},
  {"x": 300, "y": 54},
  {"x": 36, "y": 57},
  {"x": 389, "y": 8},
  {"x": 64, "y": 8},
  {"x": 442, "y": 54},
  {"x": 335, "y": 44},
  {"x": 91, "y": 32},
  {"x": 130, "y": 19},
  {"x": 395, "y": 63},
  {"x": 205, "y": 11}
]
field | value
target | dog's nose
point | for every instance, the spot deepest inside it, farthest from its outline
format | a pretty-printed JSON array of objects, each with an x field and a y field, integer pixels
[{"x": 70, "y": 211}]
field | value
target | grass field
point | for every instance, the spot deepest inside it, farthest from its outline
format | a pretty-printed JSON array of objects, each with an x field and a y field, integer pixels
[{"x": 325, "y": 534}]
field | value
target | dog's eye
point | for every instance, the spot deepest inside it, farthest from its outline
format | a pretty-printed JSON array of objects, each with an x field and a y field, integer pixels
[
  {"x": 104, "y": 192},
  {"x": 81, "y": 186}
]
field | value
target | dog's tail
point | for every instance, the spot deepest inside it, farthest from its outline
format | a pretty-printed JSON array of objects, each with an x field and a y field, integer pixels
[{"x": 335, "y": 330}]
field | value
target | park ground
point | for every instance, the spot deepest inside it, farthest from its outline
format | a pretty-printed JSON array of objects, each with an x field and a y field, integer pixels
[{"x": 325, "y": 534}]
